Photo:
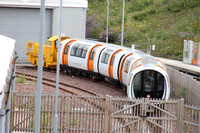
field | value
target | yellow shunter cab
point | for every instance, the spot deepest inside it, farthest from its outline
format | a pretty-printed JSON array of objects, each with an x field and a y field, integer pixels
[{"x": 49, "y": 52}]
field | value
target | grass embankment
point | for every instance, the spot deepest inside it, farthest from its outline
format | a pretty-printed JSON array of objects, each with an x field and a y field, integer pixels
[{"x": 164, "y": 23}]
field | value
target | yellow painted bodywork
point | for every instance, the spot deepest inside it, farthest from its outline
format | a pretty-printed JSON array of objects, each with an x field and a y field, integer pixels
[{"x": 49, "y": 52}]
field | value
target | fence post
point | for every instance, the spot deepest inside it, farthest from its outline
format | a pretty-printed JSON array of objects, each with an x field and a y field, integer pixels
[
  {"x": 143, "y": 114},
  {"x": 199, "y": 121},
  {"x": 107, "y": 114},
  {"x": 12, "y": 111},
  {"x": 68, "y": 113},
  {"x": 180, "y": 114},
  {"x": 178, "y": 117}
]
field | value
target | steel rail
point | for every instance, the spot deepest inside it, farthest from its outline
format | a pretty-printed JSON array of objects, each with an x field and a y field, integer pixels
[{"x": 46, "y": 82}]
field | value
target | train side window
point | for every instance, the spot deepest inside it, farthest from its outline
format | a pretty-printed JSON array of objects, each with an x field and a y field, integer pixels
[
  {"x": 148, "y": 81},
  {"x": 106, "y": 55},
  {"x": 137, "y": 81},
  {"x": 112, "y": 61},
  {"x": 79, "y": 50},
  {"x": 74, "y": 49},
  {"x": 49, "y": 43},
  {"x": 103, "y": 57},
  {"x": 126, "y": 66},
  {"x": 106, "y": 58},
  {"x": 92, "y": 53},
  {"x": 84, "y": 51},
  {"x": 160, "y": 82},
  {"x": 56, "y": 42},
  {"x": 67, "y": 47}
]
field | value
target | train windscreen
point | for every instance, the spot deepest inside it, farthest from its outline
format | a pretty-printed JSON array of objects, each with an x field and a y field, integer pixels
[{"x": 148, "y": 84}]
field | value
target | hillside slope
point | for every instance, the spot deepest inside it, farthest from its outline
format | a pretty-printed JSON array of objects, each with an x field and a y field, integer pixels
[{"x": 164, "y": 23}]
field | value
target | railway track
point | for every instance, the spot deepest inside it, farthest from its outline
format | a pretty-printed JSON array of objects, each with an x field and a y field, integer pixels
[{"x": 62, "y": 85}]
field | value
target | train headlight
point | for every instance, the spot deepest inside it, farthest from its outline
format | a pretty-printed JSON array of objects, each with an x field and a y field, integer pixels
[{"x": 148, "y": 96}]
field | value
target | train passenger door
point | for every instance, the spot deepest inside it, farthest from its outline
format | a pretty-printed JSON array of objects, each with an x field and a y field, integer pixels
[
  {"x": 55, "y": 47},
  {"x": 110, "y": 69},
  {"x": 66, "y": 51},
  {"x": 121, "y": 76},
  {"x": 104, "y": 61}
]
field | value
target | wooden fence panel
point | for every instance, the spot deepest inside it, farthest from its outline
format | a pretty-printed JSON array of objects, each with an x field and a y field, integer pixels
[
  {"x": 191, "y": 119},
  {"x": 104, "y": 115}
]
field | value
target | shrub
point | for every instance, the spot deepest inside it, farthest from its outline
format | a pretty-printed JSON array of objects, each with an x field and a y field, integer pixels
[
  {"x": 139, "y": 5},
  {"x": 177, "y": 6},
  {"x": 143, "y": 15},
  {"x": 21, "y": 79},
  {"x": 94, "y": 25},
  {"x": 112, "y": 36}
]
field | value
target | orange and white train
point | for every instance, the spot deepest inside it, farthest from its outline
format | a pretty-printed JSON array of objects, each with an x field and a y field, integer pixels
[{"x": 142, "y": 75}]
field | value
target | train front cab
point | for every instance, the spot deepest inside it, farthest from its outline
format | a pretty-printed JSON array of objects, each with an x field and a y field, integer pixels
[
  {"x": 148, "y": 83},
  {"x": 149, "y": 79}
]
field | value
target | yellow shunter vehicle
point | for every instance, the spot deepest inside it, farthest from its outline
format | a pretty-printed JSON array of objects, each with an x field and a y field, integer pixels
[{"x": 49, "y": 52}]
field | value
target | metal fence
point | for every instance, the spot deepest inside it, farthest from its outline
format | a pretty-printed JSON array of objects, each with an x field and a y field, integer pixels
[
  {"x": 184, "y": 86},
  {"x": 88, "y": 114}
]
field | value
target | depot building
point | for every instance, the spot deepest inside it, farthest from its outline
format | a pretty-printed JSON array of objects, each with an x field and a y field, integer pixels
[{"x": 20, "y": 20}]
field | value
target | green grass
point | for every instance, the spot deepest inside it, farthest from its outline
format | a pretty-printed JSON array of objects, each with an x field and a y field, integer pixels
[
  {"x": 21, "y": 79},
  {"x": 164, "y": 23}
]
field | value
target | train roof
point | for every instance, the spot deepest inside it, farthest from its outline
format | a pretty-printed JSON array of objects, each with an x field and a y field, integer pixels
[{"x": 115, "y": 46}]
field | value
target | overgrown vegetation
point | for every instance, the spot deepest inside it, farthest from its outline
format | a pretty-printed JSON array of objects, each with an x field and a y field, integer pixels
[
  {"x": 164, "y": 23},
  {"x": 181, "y": 94},
  {"x": 21, "y": 79}
]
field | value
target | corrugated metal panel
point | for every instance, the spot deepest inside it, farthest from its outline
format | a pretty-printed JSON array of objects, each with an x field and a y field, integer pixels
[
  {"x": 73, "y": 22},
  {"x": 22, "y": 24}
]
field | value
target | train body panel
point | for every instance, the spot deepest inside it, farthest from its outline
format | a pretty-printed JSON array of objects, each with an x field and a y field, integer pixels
[
  {"x": 65, "y": 47},
  {"x": 105, "y": 58},
  {"x": 126, "y": 67},
  {"x": 95, "y": 60},
  {"x": 78, "y": 55},
  {"x": 123, "y": 73},
  {"x": 142, "y": 74},
  {"x": 130, "y": 67},
  {"x": 117, "y": 57}
]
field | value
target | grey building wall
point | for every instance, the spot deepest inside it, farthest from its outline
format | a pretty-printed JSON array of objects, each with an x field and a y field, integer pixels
[
  {"x": 73, "y": 22},
  {"x": 22, "y": 24}
]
